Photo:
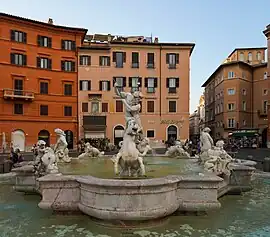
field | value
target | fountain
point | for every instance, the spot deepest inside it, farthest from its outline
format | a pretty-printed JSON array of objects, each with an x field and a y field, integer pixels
[{"x": 131, "y": 194}]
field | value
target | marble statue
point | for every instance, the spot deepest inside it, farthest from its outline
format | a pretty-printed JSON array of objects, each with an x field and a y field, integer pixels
[
  {"x": 206, "y": 143},
  {"x": 177, "y": 151},
  {"x": 131, "y": 100},
  {"x": 45, "y": 160},
  {"x": 129, "y": 157},
  {"x": 144, "y": 146},
  {"x": 91, "y": 152},
  {"x": 60, "y": 148}
]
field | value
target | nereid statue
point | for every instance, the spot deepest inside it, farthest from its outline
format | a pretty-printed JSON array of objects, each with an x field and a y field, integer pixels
[
  {"x": 60, "y": 148},
  {"x": 177, "y": 150},
  {"x": 91, "y": 151},
  {"x": 134, "y": 146}
]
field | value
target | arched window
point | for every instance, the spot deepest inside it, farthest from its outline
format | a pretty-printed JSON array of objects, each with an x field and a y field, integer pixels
[
  {"x": 241, "y": 57},
  {"x": 250, "y": 56},
  {"x": 258, "y": 56}
]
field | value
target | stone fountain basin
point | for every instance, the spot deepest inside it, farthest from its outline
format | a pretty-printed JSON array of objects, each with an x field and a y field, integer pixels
[{"x": 136, "y": 199}]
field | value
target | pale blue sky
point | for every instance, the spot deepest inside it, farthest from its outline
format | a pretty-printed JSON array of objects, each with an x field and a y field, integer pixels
[{"x": 216, "y": 26}]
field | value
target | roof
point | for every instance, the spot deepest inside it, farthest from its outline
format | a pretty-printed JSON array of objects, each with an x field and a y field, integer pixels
[
  {"x": 231, "y": 63},
  {"x": 236, "y": 49},
  {"x": 266, "y": 31},
  {"x": 5, "y": 15},
  {"x": 221, "y": 66},
  {"x": 192, "y": 45}
]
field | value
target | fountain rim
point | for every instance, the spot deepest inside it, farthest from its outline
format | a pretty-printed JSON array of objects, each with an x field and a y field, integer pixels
[{"x": 169, "y": 179}]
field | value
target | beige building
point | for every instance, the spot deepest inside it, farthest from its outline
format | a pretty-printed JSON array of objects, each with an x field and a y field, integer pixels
[
  {"x": 161, "y": 71},
  {"x": 197, "y": 120},
  {"x": 236, "y": 95}
]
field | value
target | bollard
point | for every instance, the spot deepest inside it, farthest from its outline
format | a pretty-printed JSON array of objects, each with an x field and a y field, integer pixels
[{"x": 266, "y": 164}]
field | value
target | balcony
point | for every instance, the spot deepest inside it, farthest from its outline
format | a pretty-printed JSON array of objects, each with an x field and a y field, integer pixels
[
  {"x": 18, "y": 94},
  {"x": 172, "y": 90}
]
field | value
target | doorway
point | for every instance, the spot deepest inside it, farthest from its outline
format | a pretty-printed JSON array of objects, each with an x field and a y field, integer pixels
[
  {"x": 172, "y": 132},
  {"x": 44, "y": 135},
  {"x": 18, "y": 140},
  {"x": 69, "y": 138},
  {"x": 118, "y": 134}
]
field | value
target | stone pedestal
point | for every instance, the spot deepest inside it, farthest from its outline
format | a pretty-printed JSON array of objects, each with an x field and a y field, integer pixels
[{"x": 25, "y": 179}]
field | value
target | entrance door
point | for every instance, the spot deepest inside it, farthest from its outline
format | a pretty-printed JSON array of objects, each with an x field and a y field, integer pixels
[
  {"x": 18, "y": 140},
  {"x": 172, "y": 132},
  {"x": 69, "y": 137},
  {"x": 118, "y": 134},
  {"x": 18, "y": 87},
  {"x": 45, "y": 136},
  {"x": 264, "y": 138}
]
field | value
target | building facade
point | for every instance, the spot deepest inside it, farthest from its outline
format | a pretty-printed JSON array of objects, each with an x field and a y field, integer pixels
[
  {"x": 267, "y": 34},
  {"x": 160, "y": 71},
  {"x": 236, "y": 95},
  {"x": 38, "y": 89}
]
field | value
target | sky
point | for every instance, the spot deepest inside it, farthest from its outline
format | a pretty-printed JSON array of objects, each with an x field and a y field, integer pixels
[{"x": 215, "y": 26}]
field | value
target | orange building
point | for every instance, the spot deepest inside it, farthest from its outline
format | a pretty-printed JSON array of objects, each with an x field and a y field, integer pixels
[
  {"x": 38, "y": 68},
  {"x": 236, "y": 95},
  {"x": 161, "y": 71}
]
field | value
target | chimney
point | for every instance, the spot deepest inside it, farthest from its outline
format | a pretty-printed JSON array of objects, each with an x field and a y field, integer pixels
[
  {"x": 50, "y": 21},
  {"x": 156, "y": 40}
]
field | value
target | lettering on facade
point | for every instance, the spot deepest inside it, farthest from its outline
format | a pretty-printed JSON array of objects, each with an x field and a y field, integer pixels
[{"x": 169, "y": 121}]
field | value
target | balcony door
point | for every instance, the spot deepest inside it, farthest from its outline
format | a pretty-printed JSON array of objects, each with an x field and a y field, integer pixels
[{"x": 18, "y": 87}]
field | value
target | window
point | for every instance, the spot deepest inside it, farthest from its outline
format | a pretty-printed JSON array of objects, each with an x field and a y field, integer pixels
[
  {"x": 135, "y": 60},
  {"x": 44, "y": 110},
  {"x": 258, "y": 56},
  {"x": 44, "y": 41},
  {"x": 104, "y": 107},
  {"x": 150, "y": 60},
  {"x": 104, "y": 61},
  {"x": 231, "y": 106},
  {"x": 18, "y": 59},
  {"x": 172, "y": 84},
  {"x": 85, "y": 107},
  {"x": 250, "y": 57},
  {"x": 85, "y": 85},
  {"x": 68, "y": 66},
  {"x": 172, "y": 106},
  {"x": 231, "y": 123},
  {"x": 221, "y": 107},
  {"x": 68, "y": 89},
  {"x": 265, "y": 92},
  {"x": 230, "y": 74},
  {"x": 244, "y": 105},
  {"x": 244, "y": 92},
  {"x": 265, "y": 106},
  {"x": 231, "y": 91},
  {"x": 95, "y": 107},
  {"x": 68, "y": 45},
  {"x": 104, "y": 86},
  {"x": 150, "y": 106},
  {"x": 18, "y": 108},
  {"x": 68, "y": 111},
  {"x": 150, "y": 84},
  {"x": 18, "y": 36},
  {"x": 241, "y": 57},
  {"x": 135, "y": 83},
  {"x": 119, "y": 106},
  {"x": 18, "y": 87},
  {"x": 119, "y": 58},
  {"x": 243, "y": 75},
  {"x": 172, "y": 59},
  {"x": 265, "y": 76},
  {"x": 85, "y": 60},
  {"x": 44, "y": 63},
  {"x": 150, "y": 133},
  {"x": 244, "y": 122},
  {"x": 44, "y": 88}
]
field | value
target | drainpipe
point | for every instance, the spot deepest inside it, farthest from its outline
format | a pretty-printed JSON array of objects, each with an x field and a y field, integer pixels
[
  {"x": 77, "y": 91},
  {"x": 160, "y": 81}
]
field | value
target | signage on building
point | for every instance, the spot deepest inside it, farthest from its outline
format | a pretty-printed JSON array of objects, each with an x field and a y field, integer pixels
[{"x": 169, "y": 121}]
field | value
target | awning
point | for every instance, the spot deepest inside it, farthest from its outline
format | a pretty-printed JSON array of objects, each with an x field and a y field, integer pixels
[
  {"x": 245, "y": 133},
  {"x": 95, "y": 127}
]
